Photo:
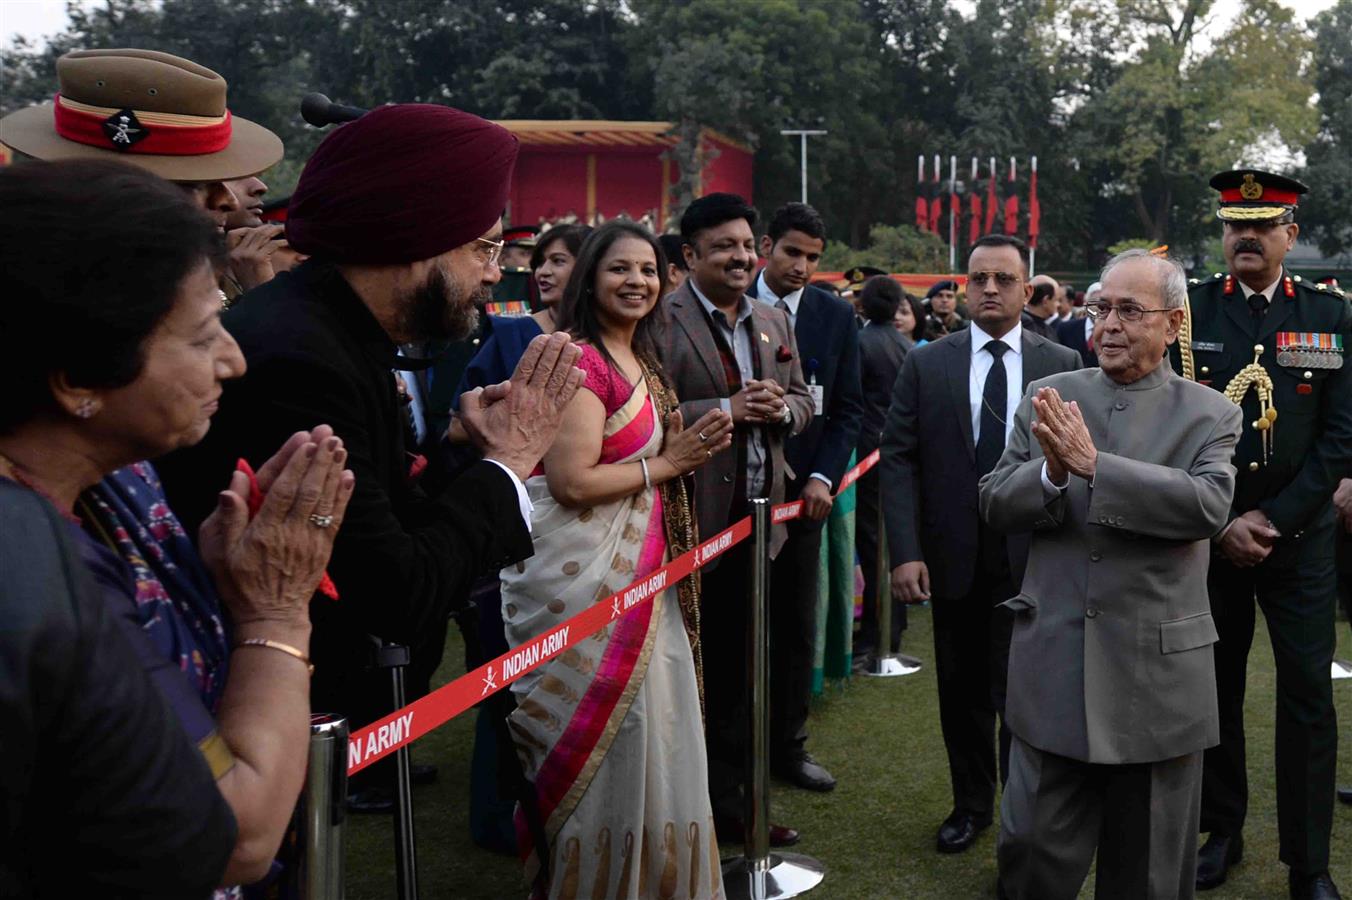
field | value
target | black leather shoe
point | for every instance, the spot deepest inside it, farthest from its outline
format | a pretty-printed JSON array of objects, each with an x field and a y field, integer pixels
[
  {"x": 1214, "y": 860},
  {"x": 731, "y": 830},
  {"x": 1312, "y": 887},
  {"x": 371, "y": 801},
  {"x": 1345, "y": 794},
  {"x": 420, "y": 775},
  {"x": 805, "y": 772},
  {"x": 959, "y": 831}
]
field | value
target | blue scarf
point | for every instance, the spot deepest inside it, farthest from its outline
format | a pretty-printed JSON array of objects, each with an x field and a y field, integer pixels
[{"x": 178, "y": 604}]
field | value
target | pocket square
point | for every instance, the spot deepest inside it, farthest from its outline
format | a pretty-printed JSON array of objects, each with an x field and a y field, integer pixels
[{"x": 783, "y": 354}]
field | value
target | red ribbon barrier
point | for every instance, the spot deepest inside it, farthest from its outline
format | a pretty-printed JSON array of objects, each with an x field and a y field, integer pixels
[{"x": 384, "y": 736}]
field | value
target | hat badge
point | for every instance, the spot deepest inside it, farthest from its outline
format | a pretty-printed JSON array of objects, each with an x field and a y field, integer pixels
[
  {"x": 1250, "y": 189},
  {"x": 124, "y": 129}
]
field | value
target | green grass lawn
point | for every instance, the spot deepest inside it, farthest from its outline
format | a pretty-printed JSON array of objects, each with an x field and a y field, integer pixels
[{"x": 875, "y": 832}]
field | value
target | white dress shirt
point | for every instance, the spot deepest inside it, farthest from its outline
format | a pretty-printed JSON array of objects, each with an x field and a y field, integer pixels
[
  {"x": 766, "y": 294},
  {"x": 981, "y": 367}
]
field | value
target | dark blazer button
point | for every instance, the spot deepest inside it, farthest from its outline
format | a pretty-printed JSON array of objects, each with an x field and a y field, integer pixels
[
  {"x": 727, "y": 479},
  {"x": 1120, "y": 404},
  {"x": 1096, "y": 556},
  {"x": 1091, "y": 613}
]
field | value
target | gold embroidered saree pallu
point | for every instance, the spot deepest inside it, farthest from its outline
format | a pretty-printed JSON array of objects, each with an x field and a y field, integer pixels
[{"x": 610, "y": 732}]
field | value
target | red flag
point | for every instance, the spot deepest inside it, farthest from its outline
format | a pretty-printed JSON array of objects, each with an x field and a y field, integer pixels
[
  {"x": 936, "y": 210},
  {"x": 921, "y": 194},
  {"x": 1034, "y": 210},
  {"x": 991, "y": 202},
  {"x": 1012, "y": 203},
  {"x": 974, "y": 233},
  {"x": 954, "y": 203}
]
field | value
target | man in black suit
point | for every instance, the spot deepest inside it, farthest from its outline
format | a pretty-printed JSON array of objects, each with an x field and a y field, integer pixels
[
  {"x": 952, "y": 408},
  {"x": 828, "y": 350},
  {"x": 1039, "y": 313},
  {"x": 395, "y": 259},
  {"x": 1076, "y": 333}
]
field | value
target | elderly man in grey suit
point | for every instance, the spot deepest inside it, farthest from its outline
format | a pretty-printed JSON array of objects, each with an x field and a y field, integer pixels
[{"x": 1123, "y": 475}]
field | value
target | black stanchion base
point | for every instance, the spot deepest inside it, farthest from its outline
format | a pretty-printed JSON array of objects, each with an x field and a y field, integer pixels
[{"x": 780, "y": 875}]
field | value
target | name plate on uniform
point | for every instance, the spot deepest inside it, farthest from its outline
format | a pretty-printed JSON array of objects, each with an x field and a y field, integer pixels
[
  {"x": 1211, "y": 346},
  {"x": 1309, "y": 350}
]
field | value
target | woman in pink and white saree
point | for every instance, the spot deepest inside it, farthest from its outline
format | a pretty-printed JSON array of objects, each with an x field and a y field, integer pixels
[{"x": 610, "y": 732}]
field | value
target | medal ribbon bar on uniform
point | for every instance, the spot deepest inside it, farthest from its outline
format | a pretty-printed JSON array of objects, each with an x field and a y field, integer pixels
[{"x": 1310, "y": 349}]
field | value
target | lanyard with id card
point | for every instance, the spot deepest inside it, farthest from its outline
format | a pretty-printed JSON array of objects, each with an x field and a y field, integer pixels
[{"x": 816, "y": 391}]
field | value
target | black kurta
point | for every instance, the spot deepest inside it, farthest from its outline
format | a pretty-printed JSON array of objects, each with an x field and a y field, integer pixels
[{"x": 403, "y": 561}]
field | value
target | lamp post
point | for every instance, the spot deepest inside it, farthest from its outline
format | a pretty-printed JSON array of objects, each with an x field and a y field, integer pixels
[{"x": 802, "y": 153}]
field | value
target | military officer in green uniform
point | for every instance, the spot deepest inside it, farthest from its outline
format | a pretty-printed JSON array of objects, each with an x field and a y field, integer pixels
[
  {"x": 515, "y": 293},
  {"x": 1275, "y": 344}
]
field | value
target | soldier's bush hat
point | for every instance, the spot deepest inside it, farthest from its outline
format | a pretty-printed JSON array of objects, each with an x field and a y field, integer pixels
[
  {"x": 1252, "y": 195},
  {"x": 153, "y": 110}
]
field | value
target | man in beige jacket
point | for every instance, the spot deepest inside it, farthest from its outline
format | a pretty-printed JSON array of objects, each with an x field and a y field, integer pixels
[{"x": 1123, "y": 475}]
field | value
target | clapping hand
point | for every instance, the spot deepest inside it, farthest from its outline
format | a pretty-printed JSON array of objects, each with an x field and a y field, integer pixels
[
  {"x": 514, "y": 422},
  {"x": 251, "y": 252},
  {"x": 1064, "y": 437},
  {"x": 267, "y": 567},
  {"x": 686, "y": 449}
]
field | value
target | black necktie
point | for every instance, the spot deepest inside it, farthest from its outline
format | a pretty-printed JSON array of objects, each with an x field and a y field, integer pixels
[
  {"x": 1258, "y": 304},
  {"x": 990, "y": 443}
]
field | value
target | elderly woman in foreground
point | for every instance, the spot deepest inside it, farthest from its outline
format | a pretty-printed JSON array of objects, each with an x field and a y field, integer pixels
[{"x": 112, "y": 352}]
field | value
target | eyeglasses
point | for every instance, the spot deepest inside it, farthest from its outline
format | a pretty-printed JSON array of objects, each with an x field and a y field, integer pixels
[
  {"x": 1127, "y": 312},
  {"x": 1003, "y": 279},
  {"x": 494, "y": 249}
]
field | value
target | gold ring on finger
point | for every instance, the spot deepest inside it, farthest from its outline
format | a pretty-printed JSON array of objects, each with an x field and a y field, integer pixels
[{"x": 710, "y": 452}]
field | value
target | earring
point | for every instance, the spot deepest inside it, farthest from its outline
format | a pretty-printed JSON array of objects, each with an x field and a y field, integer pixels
[{"x": 86, "y": 408}]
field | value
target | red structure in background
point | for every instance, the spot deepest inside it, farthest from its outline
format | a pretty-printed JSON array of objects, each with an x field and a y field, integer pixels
[{"x": 575, "y": 170}]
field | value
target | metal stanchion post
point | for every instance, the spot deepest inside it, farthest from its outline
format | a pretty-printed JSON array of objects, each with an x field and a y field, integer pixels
[
  {"x": 395, "y": 657},
  {"x": 887, "y": 664},
  {"x": 321, "y": 816},
  {"x": 759, "y": 874}
]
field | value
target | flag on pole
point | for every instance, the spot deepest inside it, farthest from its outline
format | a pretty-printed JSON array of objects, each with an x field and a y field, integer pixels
[
  {"x": 936, "y": 210},
  {"x": 1034, "y": 210},
  {"x": 1011, "y": 203},
  {"x": 954, "y": 204},
  {"x": 974, "y": 207},
  {"x": 991, "y": 201},
  {"x": 921, "y": 197}
]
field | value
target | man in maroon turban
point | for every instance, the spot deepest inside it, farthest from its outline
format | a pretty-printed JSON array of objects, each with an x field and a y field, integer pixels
[{"x": 399, "y": 213}]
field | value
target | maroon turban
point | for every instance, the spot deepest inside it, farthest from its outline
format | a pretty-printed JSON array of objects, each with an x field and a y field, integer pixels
[{"x": 402, "y": 183}]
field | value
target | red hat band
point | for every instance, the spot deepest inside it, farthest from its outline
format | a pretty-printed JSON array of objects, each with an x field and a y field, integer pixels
[
  {"x": 1269, "y": 195},
  {"x": 129, "y": 131}
]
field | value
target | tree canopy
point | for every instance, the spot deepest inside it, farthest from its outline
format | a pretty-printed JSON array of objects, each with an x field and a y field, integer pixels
[{"x": 1129, "y": 105}]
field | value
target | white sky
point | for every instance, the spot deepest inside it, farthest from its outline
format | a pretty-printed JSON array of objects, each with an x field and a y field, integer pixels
[
  {"x": 36, "y": 18},
  {"x": 31, "y": 18}
]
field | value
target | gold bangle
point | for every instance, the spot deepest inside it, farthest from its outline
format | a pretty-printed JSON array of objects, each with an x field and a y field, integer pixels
[{"x": 278, "y": 645}]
